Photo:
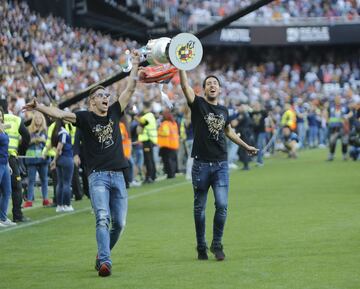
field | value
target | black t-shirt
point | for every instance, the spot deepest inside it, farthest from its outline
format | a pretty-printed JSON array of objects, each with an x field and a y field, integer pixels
[
  {"x": 102, "y": 139},
  {"x": 258, "y": 118},
  {"x": 209, "y": 122}
]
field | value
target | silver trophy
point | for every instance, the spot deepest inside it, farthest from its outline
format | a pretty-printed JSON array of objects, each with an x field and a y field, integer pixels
[{"x": 184, "y": 51}]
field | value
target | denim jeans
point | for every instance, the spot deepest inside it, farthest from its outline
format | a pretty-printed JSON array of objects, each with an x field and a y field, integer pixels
[
  {"x": 5, "y": 190},
  {"x": 313, "y": 136},
  {"x": 204, "y": 176},
  {"x": 232, "y": 149},
  {"x": 109, "y": 198},
  {"x": 323, "y": 135},
  {"x": 260, "y": 143},
  {"x": 301, "y": 128},
  {"x": 43, "y": 173},
  {"x": 190, "y": 160},
  {"x": 64, "y": 172},
  {"x": 138, "y": 158}
]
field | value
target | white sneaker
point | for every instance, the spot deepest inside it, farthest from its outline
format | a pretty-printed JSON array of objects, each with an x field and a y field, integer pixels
[
  {"x": 233, "y": 166},
  {"x": 135, "y": 183},
  {"x": 7, "y": 223},
  {"x": 59, "y": 209},
  {"x": 68, "y": 208}
]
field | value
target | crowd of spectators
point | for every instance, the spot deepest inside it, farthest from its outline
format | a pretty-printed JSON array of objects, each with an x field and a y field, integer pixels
[
  {"x": 70, "y": 59},
  {"x": 190, "y": 13}
]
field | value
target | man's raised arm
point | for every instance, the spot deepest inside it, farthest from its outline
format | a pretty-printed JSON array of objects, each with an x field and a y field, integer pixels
[
  {"x": 51, "y": 111},
  {"x": 188, "y": 91},
  {"x": 130, "y": 88}
]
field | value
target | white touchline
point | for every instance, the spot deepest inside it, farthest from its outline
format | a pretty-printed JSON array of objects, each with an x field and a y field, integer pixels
[{"x": 33, "y": 223}]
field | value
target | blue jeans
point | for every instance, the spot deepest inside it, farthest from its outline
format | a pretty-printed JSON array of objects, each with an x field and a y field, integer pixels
[
  {"x": 232, "y": 149},
  {"x": 138, "y": 158},
  {"x": 204, "y": 175},
  {"x": 5, "y": 190},
  {"x": 301, "y": 133},
  {"x": 64, "y": 172},
  {"x": 260, "y": 143},
  {"x": 109, "y": 198},
  {"x": 313, "y": 136},
  {"x": 43, "y": 173},
  {"x": 323, "y": 135}
]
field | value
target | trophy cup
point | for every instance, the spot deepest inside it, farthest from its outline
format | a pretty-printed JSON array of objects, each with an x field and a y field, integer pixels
[{"x": 184, "y": 51}]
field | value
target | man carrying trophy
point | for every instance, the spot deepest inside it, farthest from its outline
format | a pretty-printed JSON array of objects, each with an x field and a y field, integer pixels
[{"x": 211, "y": 124}]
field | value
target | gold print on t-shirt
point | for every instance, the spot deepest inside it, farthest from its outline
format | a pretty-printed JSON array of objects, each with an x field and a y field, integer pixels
[
  {"x": 257, "y": 118},
  {"x": 104, "y": 134},
  {"x": 215, "y": 124}
]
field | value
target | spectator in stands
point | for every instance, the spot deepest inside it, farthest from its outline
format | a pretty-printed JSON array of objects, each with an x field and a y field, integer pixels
[{"x": 35, "y": 162}]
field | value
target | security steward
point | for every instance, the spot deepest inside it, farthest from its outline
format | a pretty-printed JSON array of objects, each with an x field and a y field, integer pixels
[
  {"x": 18, "y": 134},
  {"x": 147, "y": 134}
]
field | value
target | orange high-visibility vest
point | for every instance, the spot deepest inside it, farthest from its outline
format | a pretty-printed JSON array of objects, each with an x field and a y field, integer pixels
[
  {"x": 126, "y": 141},
  {"x": 168, "y": 135}
]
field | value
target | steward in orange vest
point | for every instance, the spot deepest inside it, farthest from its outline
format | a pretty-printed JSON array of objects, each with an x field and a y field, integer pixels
[
  {"x": 126, "y": 143},
  {"x": 126, "y": 140},
  {"x": 168, "y": 142}
]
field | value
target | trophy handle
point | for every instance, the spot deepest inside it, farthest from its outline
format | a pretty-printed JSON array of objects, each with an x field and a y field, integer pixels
[{"x": 125, "y": 61}]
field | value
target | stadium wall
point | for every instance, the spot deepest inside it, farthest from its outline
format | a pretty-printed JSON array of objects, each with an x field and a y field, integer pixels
[{"x": 284, "y": 35}]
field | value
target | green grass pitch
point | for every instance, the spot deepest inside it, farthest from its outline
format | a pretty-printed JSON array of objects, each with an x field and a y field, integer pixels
[{"x": 292, "y": 224}]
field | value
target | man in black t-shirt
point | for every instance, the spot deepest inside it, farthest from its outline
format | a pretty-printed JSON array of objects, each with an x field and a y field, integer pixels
[
  {"x": 258, "y": 116},
  {"x": 105, "y": 161},
  {"x": 210, "y": 168}
]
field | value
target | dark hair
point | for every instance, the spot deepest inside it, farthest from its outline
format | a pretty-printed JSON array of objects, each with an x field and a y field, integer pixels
[
  {"x": 95, "y": 89},
  {"x": 211, "y": 76},
  {"x": 55, "y": 134},
  {"x": 147, "y": 103}
]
